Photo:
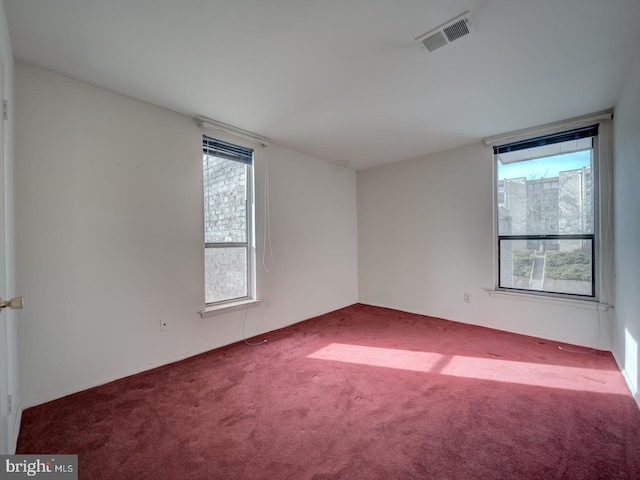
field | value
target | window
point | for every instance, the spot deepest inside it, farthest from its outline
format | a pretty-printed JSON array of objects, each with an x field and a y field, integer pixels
[
  {"x": 228, "y": 221},
  {"x": 545, "y": 193}
]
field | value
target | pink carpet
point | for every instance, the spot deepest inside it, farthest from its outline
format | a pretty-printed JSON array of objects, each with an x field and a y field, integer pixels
[{"x": 360, "y": 393}]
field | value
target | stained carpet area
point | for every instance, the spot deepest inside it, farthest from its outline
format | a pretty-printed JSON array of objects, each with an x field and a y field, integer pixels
[{"x": 359, "y": 393}]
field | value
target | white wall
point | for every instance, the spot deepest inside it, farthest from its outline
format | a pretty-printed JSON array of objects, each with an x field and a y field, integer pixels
[
  {"x": 9, "y": 384},
  {"x": 426, "y": 237},
  {"x": 626, "y": 138},
  {"x": 109, "y": 230}
]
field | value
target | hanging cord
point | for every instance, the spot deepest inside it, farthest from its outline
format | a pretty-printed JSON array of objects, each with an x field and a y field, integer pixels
[
  {"x": 608, "y": 229},
  {"x": 607, "y": 234},
  {"x": 244, "y": 320},
  {"x": 598, "y": 334},
  {"x": 576, "y": 351},
  {"x": 267, "y": 240},
  {"x": 267, "y": 224}
]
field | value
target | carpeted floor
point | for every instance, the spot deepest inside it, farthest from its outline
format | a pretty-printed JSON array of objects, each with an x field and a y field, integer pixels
[{"x": 360, "y": 393}]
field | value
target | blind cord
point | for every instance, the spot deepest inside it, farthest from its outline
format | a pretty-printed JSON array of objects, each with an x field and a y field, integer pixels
[
  {"x": 267, "y": 224},
  {"x": 244, "y": 320},
  {"x": 266, "y": 241},
  {"x": 605, "y": 233},
  {"x": 598, "y": 338},
  {"x": 608, "y": 230}
]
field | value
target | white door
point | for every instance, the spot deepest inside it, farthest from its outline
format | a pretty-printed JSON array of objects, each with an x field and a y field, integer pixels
[{"x": 8, "y": 367}]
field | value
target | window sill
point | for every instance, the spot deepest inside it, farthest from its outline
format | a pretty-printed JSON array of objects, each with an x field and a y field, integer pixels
[
  {"x": 573, "y": 302},
  {"x": 229, "y": 307}
]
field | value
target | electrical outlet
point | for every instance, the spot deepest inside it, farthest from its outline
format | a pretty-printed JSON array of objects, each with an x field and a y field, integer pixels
[
  {"x": 164, "y": 324},
  {"x": 267, "y": 304},
  {"x": 467, "y": 297},
  {"x": 10, "y": 403}
]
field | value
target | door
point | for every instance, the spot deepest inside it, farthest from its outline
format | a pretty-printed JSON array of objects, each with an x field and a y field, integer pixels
[{"x": 8, "y": 351}]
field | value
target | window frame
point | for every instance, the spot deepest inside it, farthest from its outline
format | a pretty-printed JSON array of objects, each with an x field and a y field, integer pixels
[
  {"x": 249, "y": 242},
  {"x": 601, "y": 159}
]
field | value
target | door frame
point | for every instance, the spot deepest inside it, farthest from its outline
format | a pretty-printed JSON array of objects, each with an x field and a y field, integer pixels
[{"x": 10, "y": 411}]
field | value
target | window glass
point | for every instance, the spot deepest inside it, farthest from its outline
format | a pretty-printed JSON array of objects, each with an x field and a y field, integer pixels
[
  {"x": 546, "y": 233},
  {"x": 227, "y": 187}
]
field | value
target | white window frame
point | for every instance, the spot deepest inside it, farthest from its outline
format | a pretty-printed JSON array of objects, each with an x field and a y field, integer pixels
[
  {"x": 248, "y": 244},
  {"x": 603, "y": 243}
]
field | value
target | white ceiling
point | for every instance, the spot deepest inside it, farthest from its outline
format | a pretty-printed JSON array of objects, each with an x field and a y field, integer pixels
[{"x": 342, "y": 80}]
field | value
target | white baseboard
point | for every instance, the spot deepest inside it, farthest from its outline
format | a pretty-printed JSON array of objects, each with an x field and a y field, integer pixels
[{"x": 631, "y": 387}]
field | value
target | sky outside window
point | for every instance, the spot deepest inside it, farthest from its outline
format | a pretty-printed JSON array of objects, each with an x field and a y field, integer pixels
[{"x": 545, "y": 167}]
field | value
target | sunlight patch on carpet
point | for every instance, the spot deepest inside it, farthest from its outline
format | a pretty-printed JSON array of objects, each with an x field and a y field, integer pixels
[{"x": 493, "y": 369}]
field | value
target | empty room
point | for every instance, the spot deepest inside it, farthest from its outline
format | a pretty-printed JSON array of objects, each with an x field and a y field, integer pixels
[{"x": 296, "y": 239}]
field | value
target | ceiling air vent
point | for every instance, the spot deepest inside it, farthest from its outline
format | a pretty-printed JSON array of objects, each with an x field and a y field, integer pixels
[{"x": 443, "y": 35}]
